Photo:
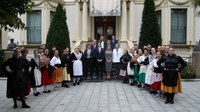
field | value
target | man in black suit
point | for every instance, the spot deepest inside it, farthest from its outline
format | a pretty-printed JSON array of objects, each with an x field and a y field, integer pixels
[
  {"x": 88, "y": 60},
  {"x": 113, "y": 42},
  {"x": 99, "y": 56}
]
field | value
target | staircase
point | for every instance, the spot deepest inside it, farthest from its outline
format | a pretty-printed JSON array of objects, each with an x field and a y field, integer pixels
[{"x": 123, "y": 44}]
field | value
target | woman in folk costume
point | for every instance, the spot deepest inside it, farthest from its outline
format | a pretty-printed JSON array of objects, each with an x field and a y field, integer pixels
[
  {"x": 66, "y": 67},
  {"x": 35, "y": 77},
  {"x": 76, "y": 57},
  {"x": 44, "y": 65},
  {"x": 171, "y": 75},
  {"x": 156, "y": 75},
  {"x": 117, "y": 53},
  {"x": 17, "y": 78},
  {"x": 148, "y": 75},
  {"x": 136, "y": 66},
  {"x": 130, "y": 67},
  {"x": 123, "y": 64},
  {"x": 143, "y": 62},
  {"x": 57, "y": 69}
]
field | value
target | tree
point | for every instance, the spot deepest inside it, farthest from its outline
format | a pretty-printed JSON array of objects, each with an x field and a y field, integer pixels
[
  {"x": 58, "y": 34},
  {"x": 196, "y": 4},
  {"x": 10, "y": 11},
  {"x": 149, "y": 32}
]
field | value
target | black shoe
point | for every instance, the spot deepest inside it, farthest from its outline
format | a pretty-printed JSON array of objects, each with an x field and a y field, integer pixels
[
  {"x": 167, "y": 101},
  {"x": 172, "y": 102},
  {"x": 15, "y": 106},
  {"x": 132, "y": 84},
  {"x": 38, "y": 93},
  {"x": 47, "y": 91},
  {"x": 74, "y": 84},
  {"x": 78, "y": 83},
  {"x": 25, "y": 106},
  {"x": 66, "y": 86},
  {"x": 35, "y": 94}
]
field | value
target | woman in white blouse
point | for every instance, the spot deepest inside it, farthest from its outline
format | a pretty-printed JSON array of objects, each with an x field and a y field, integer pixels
[{"x": 57, "y": 69}]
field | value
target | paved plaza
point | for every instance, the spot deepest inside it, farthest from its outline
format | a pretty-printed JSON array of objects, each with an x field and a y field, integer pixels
[{"x": 106, "y": 96}]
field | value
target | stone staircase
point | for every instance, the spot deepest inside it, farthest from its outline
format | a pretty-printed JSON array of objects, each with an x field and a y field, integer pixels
[{"x": 123, "y": 44}]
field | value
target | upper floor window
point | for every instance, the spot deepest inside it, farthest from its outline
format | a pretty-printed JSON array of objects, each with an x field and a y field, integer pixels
[
  {"x": 34, "y": 27},
  {"x": 178, "y": 26}
]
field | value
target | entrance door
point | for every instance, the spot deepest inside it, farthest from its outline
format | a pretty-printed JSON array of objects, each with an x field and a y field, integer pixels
[{"x": 104, "y": 26}]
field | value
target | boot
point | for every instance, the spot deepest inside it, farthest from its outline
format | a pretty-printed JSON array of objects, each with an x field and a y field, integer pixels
[
  {"x": 172, "y": 98},
  {"x": 63, "y": 83},
  {"x": 24, "y": 105},
  {"x": 15, "y": 103},
  {"x": 168, "y": 98}
]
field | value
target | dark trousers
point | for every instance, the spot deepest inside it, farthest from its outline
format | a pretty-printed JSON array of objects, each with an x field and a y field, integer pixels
[
  {"x": 99, "y": 70},
  {"x": 89, "y": 67},
  {"x": 116, "y": 67}
]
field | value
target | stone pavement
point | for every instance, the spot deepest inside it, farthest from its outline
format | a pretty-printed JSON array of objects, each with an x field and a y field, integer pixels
[{"x": 106, "y": 96}]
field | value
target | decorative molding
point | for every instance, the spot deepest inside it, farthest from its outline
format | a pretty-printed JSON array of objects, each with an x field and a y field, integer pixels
[
  {"x": 159, "y": 4},
  {"x": 179, "y": 3},
  {"x": 49, "y": 2}
]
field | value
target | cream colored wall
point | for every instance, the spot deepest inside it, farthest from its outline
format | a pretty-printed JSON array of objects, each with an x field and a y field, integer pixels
[
  {"x": 70, "y": 14},
  {"x": 138, "y": 20},
  {"x": 197, "y": 26}
]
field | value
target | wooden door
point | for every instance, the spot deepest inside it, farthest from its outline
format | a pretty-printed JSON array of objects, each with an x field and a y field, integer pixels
[{"x": 104, "y": 26}]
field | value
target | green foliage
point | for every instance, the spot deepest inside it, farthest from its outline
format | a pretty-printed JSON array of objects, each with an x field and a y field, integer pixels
[
  {"x": 187, "y": 72},
  {"x": 196, "y": 3},
  {"x": 150, "y": 32},
  {"x": 58, "y": 34},
  {"x": 10, "y": 11}
]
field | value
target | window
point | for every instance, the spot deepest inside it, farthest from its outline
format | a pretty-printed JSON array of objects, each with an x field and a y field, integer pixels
[
  {"x": 178, "y": 26},
  {"x": 51, "y": 15},
  {"x": 34, "y": 27},
  {"x": 158, "y": 14}
]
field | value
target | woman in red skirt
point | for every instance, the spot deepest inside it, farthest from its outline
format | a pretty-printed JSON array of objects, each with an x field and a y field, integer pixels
[
  {"x": 44, "y": 64},
  {"x": 156, "y": 75}
]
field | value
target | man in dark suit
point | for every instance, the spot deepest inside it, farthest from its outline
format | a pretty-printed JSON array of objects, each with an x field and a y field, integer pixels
[
  {"x": 88, "y": 60},
  {"x": 99, "y": 56},
  {"x": 113, "y": 42}
]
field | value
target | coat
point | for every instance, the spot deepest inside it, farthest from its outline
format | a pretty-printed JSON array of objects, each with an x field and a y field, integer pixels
[
  {"x": 17, "y": 82},
  {"x": 171, "y": 69}
]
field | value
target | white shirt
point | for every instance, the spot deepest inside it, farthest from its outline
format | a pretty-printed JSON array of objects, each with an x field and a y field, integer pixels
[
  {"x": 117, "y": 54},
  {"x": 141, "y": 58},
  {"x": 55, "y": 61}
]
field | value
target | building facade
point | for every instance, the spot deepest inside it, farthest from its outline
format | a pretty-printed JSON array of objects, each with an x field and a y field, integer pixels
[{"x": 177, "y": 19}]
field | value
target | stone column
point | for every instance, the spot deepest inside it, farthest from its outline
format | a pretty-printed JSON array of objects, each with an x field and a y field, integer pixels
[
  {"x": 84, "y": 21},
  {"x": 77, "y": 21},
  {"x": 166, "y": 24},
  {"x": 124, "y": 21},
  {"x": 131, "y": 21}
]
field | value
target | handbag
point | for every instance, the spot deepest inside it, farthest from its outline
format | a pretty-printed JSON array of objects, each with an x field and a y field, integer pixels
[
  {"x": 122, "y": 73},
  {"x": 37, "y": 76}
]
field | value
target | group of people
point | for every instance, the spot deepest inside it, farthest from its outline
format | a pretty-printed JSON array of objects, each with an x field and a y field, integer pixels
[{"x": 155, "y": 69}]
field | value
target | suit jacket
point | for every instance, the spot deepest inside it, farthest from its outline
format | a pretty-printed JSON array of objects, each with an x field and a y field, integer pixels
[
  {"x": 99, "y": 55},
  {"x": 112, "y": 43},
  {"x": 92, "y": 54}
]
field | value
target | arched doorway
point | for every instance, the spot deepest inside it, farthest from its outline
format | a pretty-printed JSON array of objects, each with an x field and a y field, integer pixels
[{"x": 104, "y": 26}]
